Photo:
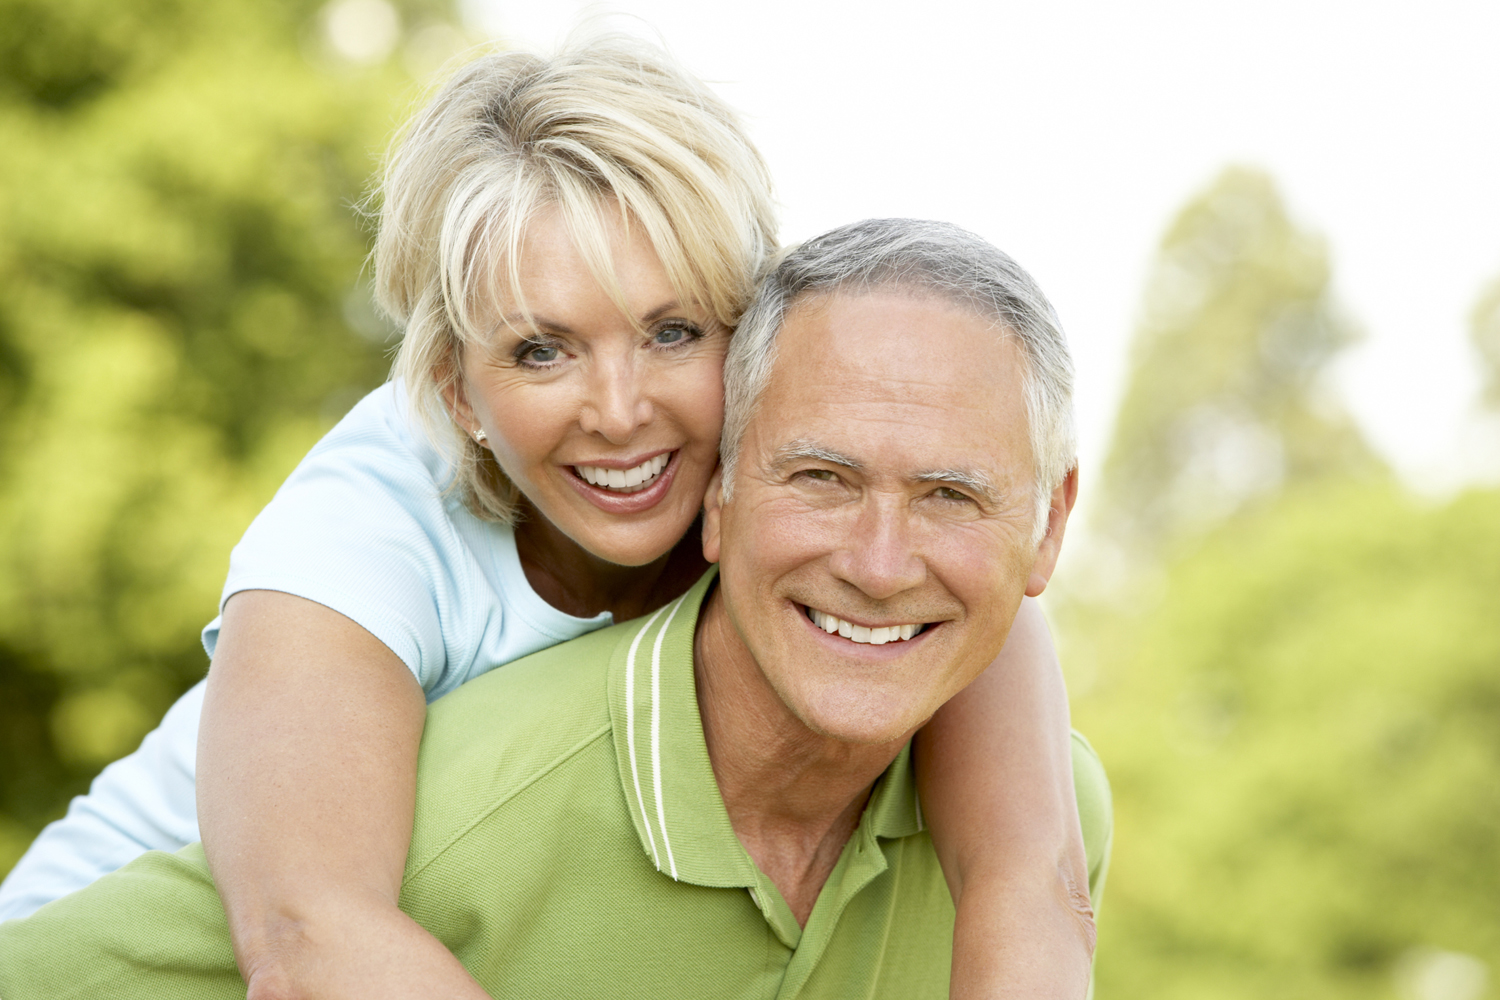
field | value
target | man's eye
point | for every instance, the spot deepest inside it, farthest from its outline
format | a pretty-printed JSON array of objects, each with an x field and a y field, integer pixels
[
  {"x": 822, "y": 475},
  {"x": 949, "y": 493}
]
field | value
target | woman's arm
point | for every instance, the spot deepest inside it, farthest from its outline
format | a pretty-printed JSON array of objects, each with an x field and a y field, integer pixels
[
  {"x": 307, "y": 762},
  {"x": 994, "y": 767}
]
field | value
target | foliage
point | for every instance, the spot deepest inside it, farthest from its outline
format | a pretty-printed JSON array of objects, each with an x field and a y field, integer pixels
[
  {"x": 1302, "y": 738},
  {"x": 1484, "y": 332},
  {"x": 1294, "y": 687},
  {"x": 180, "y": 318},
  {"x": 1225, "y": 400}
]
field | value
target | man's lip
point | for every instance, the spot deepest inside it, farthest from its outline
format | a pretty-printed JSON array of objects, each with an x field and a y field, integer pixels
[
  {"x": 838, "y": 642},
  {"x": 855, "y": 621},
  {"x": 627, "y": 503}
]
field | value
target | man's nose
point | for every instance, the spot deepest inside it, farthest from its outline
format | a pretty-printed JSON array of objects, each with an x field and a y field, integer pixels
[
  {"x": 879, "y": 553},
  {"x": 617, "y": 404}
]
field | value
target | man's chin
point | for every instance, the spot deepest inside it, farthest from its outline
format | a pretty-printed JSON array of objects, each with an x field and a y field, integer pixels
[{"x": 858, "y": 722}]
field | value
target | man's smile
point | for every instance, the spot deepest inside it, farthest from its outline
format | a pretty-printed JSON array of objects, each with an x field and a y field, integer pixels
[{"x": 877, "y": 635}]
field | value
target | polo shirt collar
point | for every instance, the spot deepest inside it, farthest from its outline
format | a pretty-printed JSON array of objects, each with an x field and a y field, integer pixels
[{"x": 669, "y": 782}]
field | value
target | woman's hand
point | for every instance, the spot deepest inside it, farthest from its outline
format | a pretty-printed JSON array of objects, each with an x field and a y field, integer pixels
[
  {"x": 994, "y": 768},
  {"x": 307, "y": 758}
]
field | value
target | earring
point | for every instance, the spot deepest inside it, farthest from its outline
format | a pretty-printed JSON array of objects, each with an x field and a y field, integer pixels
[{"x": 479, "y": 436}]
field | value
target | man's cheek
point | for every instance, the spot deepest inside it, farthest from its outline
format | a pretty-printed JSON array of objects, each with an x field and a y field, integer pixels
[
  {"x": 975, "y": 568},
  {"x": 789, "y": 534}
]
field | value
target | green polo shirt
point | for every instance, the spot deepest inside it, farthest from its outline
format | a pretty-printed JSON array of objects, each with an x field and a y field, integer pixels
[{"x": 570, "y": 841}]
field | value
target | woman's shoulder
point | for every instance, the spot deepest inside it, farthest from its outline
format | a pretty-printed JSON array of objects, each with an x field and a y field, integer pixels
[
  {"x": 382, "y": 431},
  {"x": 374, "y": 475},
  {"x": 364, "y": 526}
]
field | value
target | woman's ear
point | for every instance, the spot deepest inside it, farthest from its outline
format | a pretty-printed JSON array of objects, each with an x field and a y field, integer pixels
[
  {"x": 713, "y": 515},
  {"x": 1047, "y": 552},
  {"x": 457, "y": 402}
]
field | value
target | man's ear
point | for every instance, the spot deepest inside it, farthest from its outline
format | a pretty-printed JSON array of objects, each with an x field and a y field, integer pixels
[
  {"x": 1063, "y": 499},
  {"x": 713, "y": 514}
]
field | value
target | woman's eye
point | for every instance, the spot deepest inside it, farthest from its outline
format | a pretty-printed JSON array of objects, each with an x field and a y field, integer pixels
[
  {"x": 538, "y": 354},
  {"x": 671, "y": 336}
]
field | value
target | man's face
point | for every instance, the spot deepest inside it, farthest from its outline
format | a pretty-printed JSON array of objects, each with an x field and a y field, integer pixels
[{"x": 885, "y": 483}]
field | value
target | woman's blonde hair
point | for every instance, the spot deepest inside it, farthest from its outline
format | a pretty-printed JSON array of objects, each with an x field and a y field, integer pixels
[{"x": 606, "y": 126}]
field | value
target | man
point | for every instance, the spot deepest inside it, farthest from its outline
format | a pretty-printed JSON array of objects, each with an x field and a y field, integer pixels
[{"x": 718, "y": 802}]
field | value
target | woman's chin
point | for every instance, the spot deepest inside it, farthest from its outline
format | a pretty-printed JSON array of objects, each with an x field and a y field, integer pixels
[
  {"x": 632, "y": 540},
  {"x": 627, "y": 529},
  {"x": 635, "y": 545}
]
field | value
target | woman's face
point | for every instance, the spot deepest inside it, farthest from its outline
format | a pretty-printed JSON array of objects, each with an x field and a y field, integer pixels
[{"x": 607, "y": 421}]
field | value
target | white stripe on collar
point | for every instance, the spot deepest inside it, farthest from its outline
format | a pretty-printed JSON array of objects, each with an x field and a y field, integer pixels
[
  {"x": 661, "y": 814},
  {"x": 630, "y": 732}
]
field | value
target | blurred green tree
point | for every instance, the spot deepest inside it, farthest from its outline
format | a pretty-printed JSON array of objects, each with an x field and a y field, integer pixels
[
  {"x": 182, "y": 314},
  {"x": 1484, "y": 333},
  {"x": 1298, "y": 702},
  {"x": 1302, "y": 739},
  {"x": 1226, "y": 399}
]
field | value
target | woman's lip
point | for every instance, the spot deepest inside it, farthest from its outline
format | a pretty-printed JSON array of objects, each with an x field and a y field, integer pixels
[
  {"x": 627, "y": 503},
  {"x": 623, "y": 463}
]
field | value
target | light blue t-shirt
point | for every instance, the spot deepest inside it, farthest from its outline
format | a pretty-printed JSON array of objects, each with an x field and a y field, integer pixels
[{"x": 363, "y": 527}]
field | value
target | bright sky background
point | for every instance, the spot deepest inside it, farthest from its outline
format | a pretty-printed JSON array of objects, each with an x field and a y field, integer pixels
[{"x": 1069, "y": 132}]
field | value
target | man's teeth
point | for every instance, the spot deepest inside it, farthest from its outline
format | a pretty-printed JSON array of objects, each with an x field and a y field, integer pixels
[
  {"x": 625, "y": 480},
  {"x": 859, "y": 633}
]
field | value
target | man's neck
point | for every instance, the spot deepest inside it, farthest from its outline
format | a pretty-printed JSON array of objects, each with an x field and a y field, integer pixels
[{"x": 794, "y": 797}]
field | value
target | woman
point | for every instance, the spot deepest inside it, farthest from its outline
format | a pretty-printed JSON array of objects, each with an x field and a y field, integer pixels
[{"x": 567, "y": 244}]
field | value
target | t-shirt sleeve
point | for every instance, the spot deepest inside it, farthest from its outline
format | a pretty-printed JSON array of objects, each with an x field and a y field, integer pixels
[{"x": 362, "y": 527}]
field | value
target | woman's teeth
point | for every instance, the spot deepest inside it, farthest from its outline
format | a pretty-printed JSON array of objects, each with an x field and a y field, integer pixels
[
  {"x": 858, "y": 633},
  {"x": 624, "y": 480}
]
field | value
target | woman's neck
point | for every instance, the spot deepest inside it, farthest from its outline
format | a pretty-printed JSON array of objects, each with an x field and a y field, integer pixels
[{"x": 574, "y": 580}]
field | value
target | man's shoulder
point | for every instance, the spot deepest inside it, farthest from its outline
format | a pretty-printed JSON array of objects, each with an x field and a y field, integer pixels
[
  {"x": 506, "y": 730},
  {"x": 152, "y": 929},
  {"x": 566, "y": 681}
]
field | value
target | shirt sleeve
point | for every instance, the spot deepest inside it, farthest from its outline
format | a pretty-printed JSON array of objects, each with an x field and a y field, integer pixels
[{"x": 362, "y": 526}]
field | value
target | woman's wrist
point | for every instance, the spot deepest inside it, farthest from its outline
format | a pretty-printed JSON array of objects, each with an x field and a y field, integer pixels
[
  {"x": 1016, "y": 938},
  {"x": 352, "y": 948}
]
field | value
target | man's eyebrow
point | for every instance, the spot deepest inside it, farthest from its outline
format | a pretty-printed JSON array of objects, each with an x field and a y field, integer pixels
[
  {"x": 801, "y": 451},
  {"x": 974, "y": 480},
  {"x": 977, "y": 482}
]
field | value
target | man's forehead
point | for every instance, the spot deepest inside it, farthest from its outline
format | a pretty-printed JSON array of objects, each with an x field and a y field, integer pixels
[
  {"x": 889, "y": 341},
  {"x": 911, "y": 376}
]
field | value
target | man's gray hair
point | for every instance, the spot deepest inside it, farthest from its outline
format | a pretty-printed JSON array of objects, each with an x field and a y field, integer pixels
[{"x": 934, "y": 258}]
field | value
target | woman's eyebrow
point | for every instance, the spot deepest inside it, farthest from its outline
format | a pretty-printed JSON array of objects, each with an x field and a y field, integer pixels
[
  {"x": 520, "y": 321},
  {"x": 523, "y": 324},
  {"x": 661, "y": 310}
]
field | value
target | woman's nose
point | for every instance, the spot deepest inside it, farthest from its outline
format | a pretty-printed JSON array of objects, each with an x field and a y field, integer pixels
[{"x": 617, "y": 405}]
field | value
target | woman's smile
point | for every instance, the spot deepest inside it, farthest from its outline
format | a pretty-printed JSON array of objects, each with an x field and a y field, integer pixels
[
  {"x": 640, "y": 488},
  {"x": 630, "y": 480}
]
